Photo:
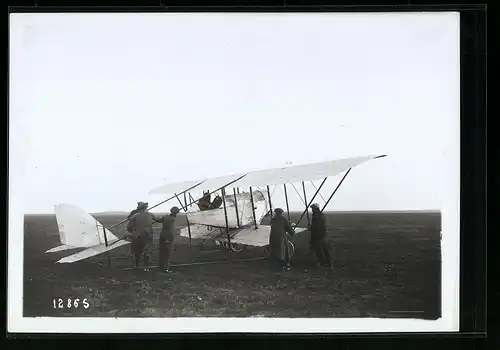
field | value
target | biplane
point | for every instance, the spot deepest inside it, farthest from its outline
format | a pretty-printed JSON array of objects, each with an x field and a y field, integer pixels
[{"x": 233, "y": 219}]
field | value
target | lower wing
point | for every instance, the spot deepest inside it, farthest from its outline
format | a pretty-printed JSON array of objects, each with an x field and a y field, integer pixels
[{"x": 257, "y": 237}]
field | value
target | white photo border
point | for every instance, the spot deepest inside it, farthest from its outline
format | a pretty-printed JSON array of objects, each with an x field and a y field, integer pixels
[{"x": 449, "y": 322}]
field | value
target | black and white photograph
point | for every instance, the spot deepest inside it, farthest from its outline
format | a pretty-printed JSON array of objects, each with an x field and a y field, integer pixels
[{"x": 234, "y": 172}]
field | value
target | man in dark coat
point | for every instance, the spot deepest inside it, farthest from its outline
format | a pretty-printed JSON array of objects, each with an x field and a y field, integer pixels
[
  {"x": 140, "y": 226},
  {"x": 318, "y": 242},
  {"x": 166, "y": 240},
  {"x": 278, "y": 239}
]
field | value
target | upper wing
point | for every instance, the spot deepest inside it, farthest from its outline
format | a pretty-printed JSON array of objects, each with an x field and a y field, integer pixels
[
  {"x": 268, "y": 177},
  {"x": 210, "y": 184},
  {"x": 298, "y": 173}
]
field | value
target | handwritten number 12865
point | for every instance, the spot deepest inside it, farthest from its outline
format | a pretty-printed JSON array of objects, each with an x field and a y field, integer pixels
[{"x": 70, "y": 303}]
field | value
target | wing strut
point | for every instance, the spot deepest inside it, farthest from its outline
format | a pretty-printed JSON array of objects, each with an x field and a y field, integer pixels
[
  {"x": 329, "y": 199},
  {"x": 305, "y": 202},
  {"x": 106, "y": 243},
  {"x": 236, "y": 208},
  {"x": 185, "y": 208},
  {"x": 312, "y": 183},
  {"x": 253, "y": 207},
  {"x": 187, "y": 220},
  {"x": 311, "y": 201},
  {"x": 270, "y": 204},
  {"x": 336, "y": 188},
  {"x": 227, "y": 222},
  {"x": 286, "y": 200},
  {"x": 297, "y": 191},
  {"x": 105, "y": 239}
]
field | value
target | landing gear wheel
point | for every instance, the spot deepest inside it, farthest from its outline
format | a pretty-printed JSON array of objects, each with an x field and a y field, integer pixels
[{"x": 237, "y": 248}]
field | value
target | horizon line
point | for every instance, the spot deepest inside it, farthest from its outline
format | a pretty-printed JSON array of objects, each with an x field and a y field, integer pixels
[{"x": 120, "y": 212}]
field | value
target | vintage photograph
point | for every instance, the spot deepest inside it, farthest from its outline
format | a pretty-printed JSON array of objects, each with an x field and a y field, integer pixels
[{"x": 234, "y": 172}]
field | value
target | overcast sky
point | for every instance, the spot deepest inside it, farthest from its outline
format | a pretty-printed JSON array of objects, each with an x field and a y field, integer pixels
[{"x": 105, "y": 107}]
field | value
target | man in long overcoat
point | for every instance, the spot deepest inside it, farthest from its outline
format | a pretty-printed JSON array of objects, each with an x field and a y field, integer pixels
[
  {"x": 278, "y": 239},
  {"x": 318, "y": 242},
  {"x": 140, "y": 226},
  {"x": 132, "y": 213}
]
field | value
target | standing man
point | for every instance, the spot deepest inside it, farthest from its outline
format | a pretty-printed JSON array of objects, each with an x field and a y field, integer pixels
[
  {"x": 132, "y": 213},
  {"x": 140, "y": 226},
  {"x": 136, "y": 210},
  {"x": 318, "y": 242},
  {"x": 278, "y": 239},
  {"x": 166, "y": 240}
]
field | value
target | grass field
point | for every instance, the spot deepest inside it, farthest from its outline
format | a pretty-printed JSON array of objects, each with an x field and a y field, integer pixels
[{"x": 387, "y": 265}]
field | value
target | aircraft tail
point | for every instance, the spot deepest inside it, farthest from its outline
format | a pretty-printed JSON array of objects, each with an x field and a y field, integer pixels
[{"x": 78, "y": 229}]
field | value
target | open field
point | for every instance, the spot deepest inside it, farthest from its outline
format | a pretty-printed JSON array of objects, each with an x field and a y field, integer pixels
[{"x": 387, "y": 265}]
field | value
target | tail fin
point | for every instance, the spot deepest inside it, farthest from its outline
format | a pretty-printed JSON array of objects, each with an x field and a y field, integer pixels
[{"x": 78, "y": 229}]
